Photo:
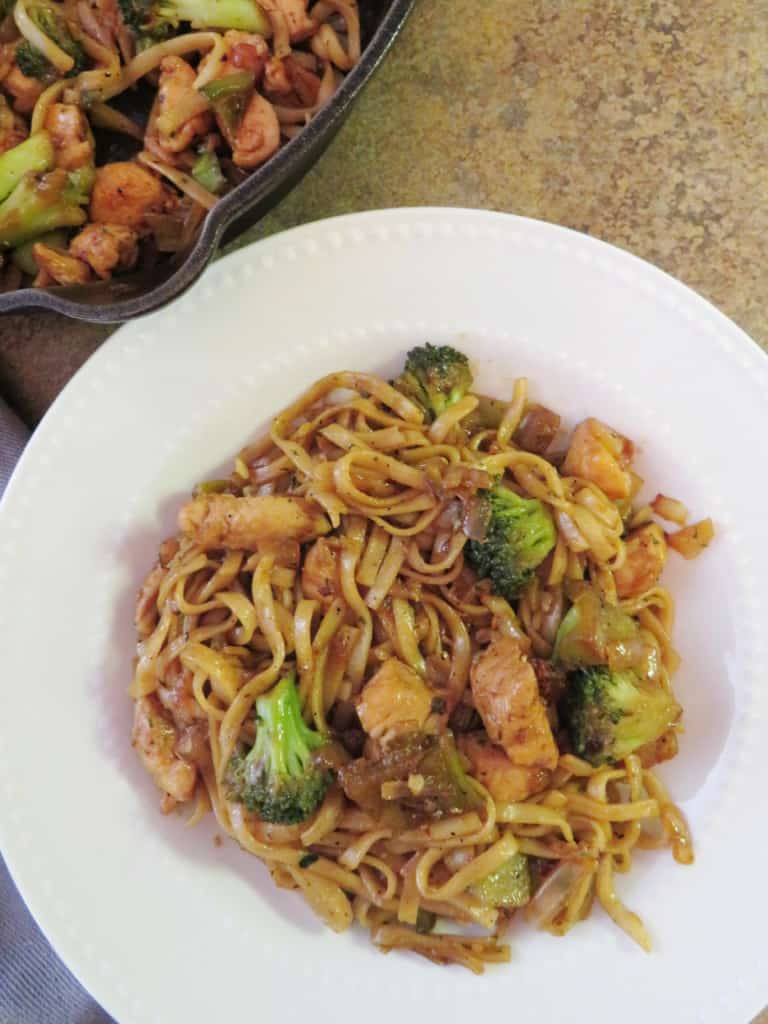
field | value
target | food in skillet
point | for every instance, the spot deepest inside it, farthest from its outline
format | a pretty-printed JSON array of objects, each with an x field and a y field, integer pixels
[
  {"x": 233, "y": 80},
  {"x": 415, "y": 656}
]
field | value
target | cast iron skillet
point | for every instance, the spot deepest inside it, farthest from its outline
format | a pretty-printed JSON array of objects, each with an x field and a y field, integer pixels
[{"x": 134, "y": 294}]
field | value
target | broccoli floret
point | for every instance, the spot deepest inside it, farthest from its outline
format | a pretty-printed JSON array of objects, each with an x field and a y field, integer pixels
[
  {"x": 435, "y": 376},
  {"x": 157, "y": 19},
  {"x": 34, "y": 63},
  {"x": 80, "y": 184},
  {"x": 42, "y": 203},
  {"x": 519, "y": 535},
  {"x": 32, "y": 156},
  {"x": 141, "y": 18},
  {"x": 608, "y": 715},
  {"x": 279, "y": 779}
]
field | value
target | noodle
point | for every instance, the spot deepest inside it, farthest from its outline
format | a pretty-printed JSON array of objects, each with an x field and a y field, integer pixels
[{"x": 411, "y": 667}]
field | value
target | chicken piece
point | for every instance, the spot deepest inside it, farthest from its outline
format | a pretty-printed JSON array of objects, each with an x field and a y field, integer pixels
[
  {"x": 248, "y": 52},
  {"x": 300, "y": 25},
  {"x": 320, "y": 573},
  {"x": 194, "y": 743},
  {"x": 168, "y": 548},
  {"x": 601, "y": 455},
  {"x": 287, "y": 78},
  {"x": 258, "y": 135},
  {"x": 154, "y": 739},
  {"x": 646, "y": 556},
  {"x": 175, "y": 91},
  {"x": 224, "y": 521},
  {"x": 106, "y": 248},
  {"x": 276, "y": 78},
  {"x": 393, "y": 702},
  {"x": 13, "y": 129},
  {"x": 70, "y": 135},
  {"x": 506, "y": 782},
  {"x": 145, "y": 615},
  {"x": 60, "y": 267},
  {"x": 125, "y": 193},
  {"x": 25, "y": 91},
  {"x": 662, "y": 749},
  {"x": 506, "y": 696},
  {"x": 178, "y": 698}
]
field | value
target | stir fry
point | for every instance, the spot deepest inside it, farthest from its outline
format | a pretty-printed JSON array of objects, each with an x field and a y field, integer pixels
[
  {"x": 231, "y": 81},
  {"x": 415, "y": 655}
]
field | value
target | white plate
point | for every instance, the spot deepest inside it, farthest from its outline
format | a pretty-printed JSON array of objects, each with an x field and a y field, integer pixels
[{"x": 156, "y": 920}]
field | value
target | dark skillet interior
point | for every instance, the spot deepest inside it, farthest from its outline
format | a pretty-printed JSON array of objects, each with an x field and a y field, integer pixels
[{"x": 134, "y": 294}]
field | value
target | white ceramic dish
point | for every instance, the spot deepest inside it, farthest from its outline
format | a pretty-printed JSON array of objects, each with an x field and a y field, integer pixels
[{"x": 160, "y": 923}]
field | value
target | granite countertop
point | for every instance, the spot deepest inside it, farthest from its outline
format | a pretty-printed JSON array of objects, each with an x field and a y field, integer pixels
[{"x": 642, "y": 124}]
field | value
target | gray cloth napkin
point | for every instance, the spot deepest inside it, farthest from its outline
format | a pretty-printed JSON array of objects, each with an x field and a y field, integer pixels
[{"x": 35, "y": 987}]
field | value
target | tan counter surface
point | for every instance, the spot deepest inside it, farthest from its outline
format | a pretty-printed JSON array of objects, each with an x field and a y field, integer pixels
[{"x": 642, "y": 124}]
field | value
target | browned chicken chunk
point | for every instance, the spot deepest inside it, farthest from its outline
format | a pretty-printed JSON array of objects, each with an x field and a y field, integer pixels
[
  {"x": 146, "y": 614},
  {"x": 320, "y": 573},
  {"x": 154, "y": 739},
  {"x": 24, "y": 91},
  {"x": 248, "y": 52},
  {"x": 394, "y": 701},
  {"x": 106, "y": 248},
  {"x": 224, "y": 521},
  {"x": 258, "y": 136},
  {"x": 178, "y": 698},
  {"x": 506, "y": 696},
  {"x": 506, "y": 782},
  {"x": 601, "y": 455},
  {"x": 60, "y": 267},
  {"x": 646, "y": 557},
  {"x": 125, "y": 193},
  {"x": 70, "y": 135},
  {"x": 176, "y": 88}
]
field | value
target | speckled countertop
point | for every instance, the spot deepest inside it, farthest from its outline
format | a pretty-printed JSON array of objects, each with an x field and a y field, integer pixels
[{"x": 644, "y": 124}]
